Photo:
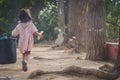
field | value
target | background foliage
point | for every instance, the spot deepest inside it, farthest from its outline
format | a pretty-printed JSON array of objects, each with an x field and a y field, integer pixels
[
  {"x": 44, "y": 14},
  {"x": 113, "y": 19}
]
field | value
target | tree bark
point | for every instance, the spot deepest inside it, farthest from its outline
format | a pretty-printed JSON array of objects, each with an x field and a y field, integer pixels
[
  {"x": 37, "y": 6},
  {"x": 61, "y": 21},
  {"x": 117, "y": 61},
  {"x": 96, "y": 30},
  {"x": 77, "y": 23}
]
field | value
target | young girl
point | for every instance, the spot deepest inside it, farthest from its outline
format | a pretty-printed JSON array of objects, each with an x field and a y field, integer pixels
[{"x": 25, "y": 29}]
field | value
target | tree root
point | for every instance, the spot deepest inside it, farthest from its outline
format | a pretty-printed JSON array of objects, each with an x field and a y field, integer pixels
[
  {"x": 107, "y": 68},
  {"x": 77, "y": 70}
]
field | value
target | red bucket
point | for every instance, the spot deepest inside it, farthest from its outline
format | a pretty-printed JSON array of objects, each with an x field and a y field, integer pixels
[{"x": 112, "y": 49}]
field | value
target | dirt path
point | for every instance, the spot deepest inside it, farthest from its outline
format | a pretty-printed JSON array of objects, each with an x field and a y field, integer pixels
[{"x": 46, "y": 59}]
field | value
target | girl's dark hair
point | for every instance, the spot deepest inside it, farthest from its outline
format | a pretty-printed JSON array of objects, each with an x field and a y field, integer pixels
[{"x": 25, "y": 15}]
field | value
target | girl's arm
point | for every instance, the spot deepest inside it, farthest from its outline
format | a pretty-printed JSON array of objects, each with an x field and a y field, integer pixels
[
  {"x": 38, "y": 35},
  {"x": 15, "y": 32},
  {"x": 35, "y": 31}
]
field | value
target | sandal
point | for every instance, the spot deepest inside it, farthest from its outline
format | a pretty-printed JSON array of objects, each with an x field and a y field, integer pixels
[{"x": 24, "y": 66}]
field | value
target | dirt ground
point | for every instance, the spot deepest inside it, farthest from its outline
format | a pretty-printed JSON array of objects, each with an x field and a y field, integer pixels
[{"x": 46, "y": 59}]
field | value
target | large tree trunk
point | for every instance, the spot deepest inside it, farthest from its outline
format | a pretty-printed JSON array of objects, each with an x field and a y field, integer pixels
[
  {"x": 77, "y": 23},
  {"x": 96, "y": 29},
  {"x": 117, "y": 61},
  {"x": 61, "y": 22}
]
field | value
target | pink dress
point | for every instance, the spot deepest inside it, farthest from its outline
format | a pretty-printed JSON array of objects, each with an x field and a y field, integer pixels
[{"x": 25, "y": 32}]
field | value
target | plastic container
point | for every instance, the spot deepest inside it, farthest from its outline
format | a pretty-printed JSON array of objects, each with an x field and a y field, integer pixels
[
  {"x": 7, "y": 51},
  {"x": 112, "y": 50},
  {"x": 4, "y": 36}
]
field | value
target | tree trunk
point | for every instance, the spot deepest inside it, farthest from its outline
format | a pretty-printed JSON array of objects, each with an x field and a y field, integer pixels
[
  {"x": 117, "y": 61},
  {"x": 77, "y": 23},
  {"x": 61, "y": 22},
  {"x": 37, "y": 6},
  {"x": 96, "y": 30}
]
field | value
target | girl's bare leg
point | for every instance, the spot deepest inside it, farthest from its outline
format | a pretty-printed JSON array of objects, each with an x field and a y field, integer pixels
[
  {"x": 25, "y": 60},
  {"x": 26, "y": 56}
]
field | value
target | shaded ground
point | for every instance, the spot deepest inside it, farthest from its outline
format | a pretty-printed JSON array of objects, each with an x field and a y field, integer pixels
[{"x": 46, "y": 59}]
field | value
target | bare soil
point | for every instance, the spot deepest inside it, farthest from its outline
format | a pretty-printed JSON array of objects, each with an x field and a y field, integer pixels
[{"x": 46, "y": 59}]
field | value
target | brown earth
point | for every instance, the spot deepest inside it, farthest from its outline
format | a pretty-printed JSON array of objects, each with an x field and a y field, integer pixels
[{"x": 46, "y": 59}]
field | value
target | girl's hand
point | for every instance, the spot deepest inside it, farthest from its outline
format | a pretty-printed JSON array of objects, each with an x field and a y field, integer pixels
[{"x": 38, "y": 37}]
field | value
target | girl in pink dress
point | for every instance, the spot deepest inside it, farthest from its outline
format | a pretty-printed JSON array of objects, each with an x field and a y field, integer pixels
[{"x": 25, "y": 29}]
